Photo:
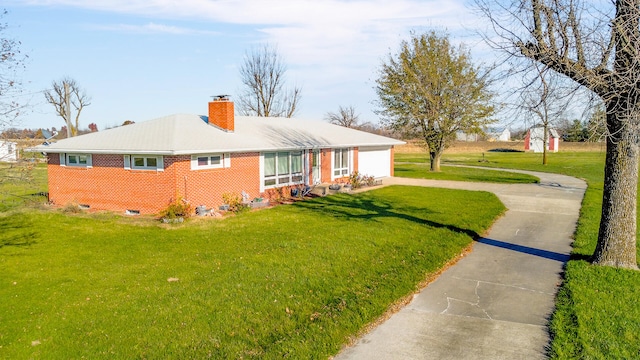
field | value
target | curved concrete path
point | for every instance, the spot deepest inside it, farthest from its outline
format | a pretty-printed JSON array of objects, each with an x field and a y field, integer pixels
[{"x": 495, "y": 302}]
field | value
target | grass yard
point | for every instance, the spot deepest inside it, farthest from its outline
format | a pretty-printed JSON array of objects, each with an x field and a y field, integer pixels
[
  {"x": 421, "y": 171},
  {"x": 22, "y": 184},
  {"x": 598, "y": 313},
  {"x": 294, "y": 281}
]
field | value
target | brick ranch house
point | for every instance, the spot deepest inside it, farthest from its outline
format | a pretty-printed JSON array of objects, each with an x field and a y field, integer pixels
[{"x": 141, "y": 168}]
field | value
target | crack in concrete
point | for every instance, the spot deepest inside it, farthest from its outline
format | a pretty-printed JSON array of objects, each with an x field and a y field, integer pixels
[
  {"x": 474, "y": 304},
  {"x": 505, "y": 285}
]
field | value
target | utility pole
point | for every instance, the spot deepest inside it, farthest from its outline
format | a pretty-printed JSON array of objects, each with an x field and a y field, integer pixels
[{"x": 67, "y": 99}]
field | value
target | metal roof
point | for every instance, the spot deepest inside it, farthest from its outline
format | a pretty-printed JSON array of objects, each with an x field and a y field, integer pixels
[{"x": 191, "y": 134}]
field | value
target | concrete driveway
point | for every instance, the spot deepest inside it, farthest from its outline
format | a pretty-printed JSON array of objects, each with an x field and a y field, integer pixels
[{"x": 496, "y": 301}]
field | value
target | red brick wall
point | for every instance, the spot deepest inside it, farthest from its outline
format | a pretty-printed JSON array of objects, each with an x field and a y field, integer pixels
[
  {"x": 205, "y": 187},
  {"x": 325, "y": 165},
  {"x": 392, "y": 154},
  {"x": 108, "y": 186},
  {"x": 355, "y": 160},
  {"x": 309, "y": 160}
]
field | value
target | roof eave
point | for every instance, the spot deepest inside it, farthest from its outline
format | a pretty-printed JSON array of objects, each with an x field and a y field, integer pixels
[
  {"x": 100, "y": 151},
  {"x": 200, "y": 151}
]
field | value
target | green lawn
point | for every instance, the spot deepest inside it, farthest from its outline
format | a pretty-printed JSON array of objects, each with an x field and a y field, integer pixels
[
  {"x": 21, "y": 184},
  {"x": 293, "y": 281},
  {"x": 598, "y": 312},
  {"x": 421, "y": 171},
  {"x": 96, "y": 286}
]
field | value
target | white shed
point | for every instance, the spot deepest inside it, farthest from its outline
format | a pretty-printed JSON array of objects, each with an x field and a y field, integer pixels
[
  {"x": 534, "y": 140},
  {"x": 498, "y": 134},
  {"x": 463, "y": 136},
  {"x": 8, "y": 151}
]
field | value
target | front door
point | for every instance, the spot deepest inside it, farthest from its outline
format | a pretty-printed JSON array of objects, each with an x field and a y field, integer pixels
[{"x": 315, "y": 167}]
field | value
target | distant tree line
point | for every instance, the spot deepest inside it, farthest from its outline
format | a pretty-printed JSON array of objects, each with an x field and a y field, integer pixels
[
  {"x": 591, "y": 130},
  {"x": 17, "y": 133}
]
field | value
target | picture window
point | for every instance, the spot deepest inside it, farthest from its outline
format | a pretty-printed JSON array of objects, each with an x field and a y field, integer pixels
[{"x": 282, "y": 168}]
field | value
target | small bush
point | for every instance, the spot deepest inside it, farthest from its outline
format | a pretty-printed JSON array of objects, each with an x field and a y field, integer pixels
[
  {"x": 71, "y": 208},
  {"x": 234, "y": 201},
  {"x": 179, "y": 208},
  {"x": 369, "y": 180},
  {"x": 357, "y": 180}
]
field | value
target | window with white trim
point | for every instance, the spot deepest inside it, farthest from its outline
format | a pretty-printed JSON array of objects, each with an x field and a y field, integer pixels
[
  {"x": 79, "y": 160},
  {"x": 282, "y": 168},
  {"x": 340, "y": 162},
  {"x": 144, "y": 162},
  {"x": 208, "y": 161}
]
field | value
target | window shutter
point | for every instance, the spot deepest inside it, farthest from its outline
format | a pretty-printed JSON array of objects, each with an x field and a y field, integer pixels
[
  {"x": 227, "y": 160},
  {"x": 63, "y": 159},
  {"x": 89, "y": 160},
  {"x": 127, "y": 162},
  {"x": 160, "y": 163}
]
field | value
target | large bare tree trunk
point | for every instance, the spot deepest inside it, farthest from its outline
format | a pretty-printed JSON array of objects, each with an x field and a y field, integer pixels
[
  {"x": 599, "y": 50},
  {"x": 617, "y": 234}
]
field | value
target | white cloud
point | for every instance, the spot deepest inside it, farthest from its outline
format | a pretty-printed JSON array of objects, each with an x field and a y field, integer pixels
[
  {"x": 332, "y": 47},
  {"x": 313, "y": 22},
  {"x": 153, "y": 28},
  {"x": 307, "y": 32},
  {"x": 273, "y": 12}
]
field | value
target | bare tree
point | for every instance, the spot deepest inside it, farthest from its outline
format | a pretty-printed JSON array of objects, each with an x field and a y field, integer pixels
[
  {"x": 543, "y": 98},
  {"x": 64, "y": 94},
  {"x": 346, "y": 116},
  {"x": 11, "y": 60},
  {"x": 597, "y": 45},
  {"x": 431, "y": 89},
  {"x": 263, "y": 76}
]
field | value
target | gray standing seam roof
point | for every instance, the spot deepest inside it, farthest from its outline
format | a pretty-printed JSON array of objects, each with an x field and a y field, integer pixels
[{"x": 191, "y": 134}]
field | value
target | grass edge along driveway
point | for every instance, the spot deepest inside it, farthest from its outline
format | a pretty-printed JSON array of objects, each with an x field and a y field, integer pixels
[
  {"x": 597, "y": 312},
  {"x": 296, "y": 281}
]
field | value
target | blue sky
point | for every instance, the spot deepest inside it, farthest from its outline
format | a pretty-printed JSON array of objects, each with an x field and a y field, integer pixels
[{"x": 142, "y": 59}]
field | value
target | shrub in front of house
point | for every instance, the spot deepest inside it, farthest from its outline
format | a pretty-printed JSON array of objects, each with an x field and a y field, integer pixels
[
  {"x": 234, "y": 202},
  {"x": 357, "y": 180},
  {"x": 177, "y": 209}
]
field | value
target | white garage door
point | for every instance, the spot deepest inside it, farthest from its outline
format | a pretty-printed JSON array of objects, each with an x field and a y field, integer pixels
[{"x": 374, "y": 161}]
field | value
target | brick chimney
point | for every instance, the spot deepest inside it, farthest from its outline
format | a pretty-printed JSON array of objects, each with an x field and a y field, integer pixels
[{"x": 221, "y": 113}]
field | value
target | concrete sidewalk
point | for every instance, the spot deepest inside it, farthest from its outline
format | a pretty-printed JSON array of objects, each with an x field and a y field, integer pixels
[{"x": 496, "y": 301}]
